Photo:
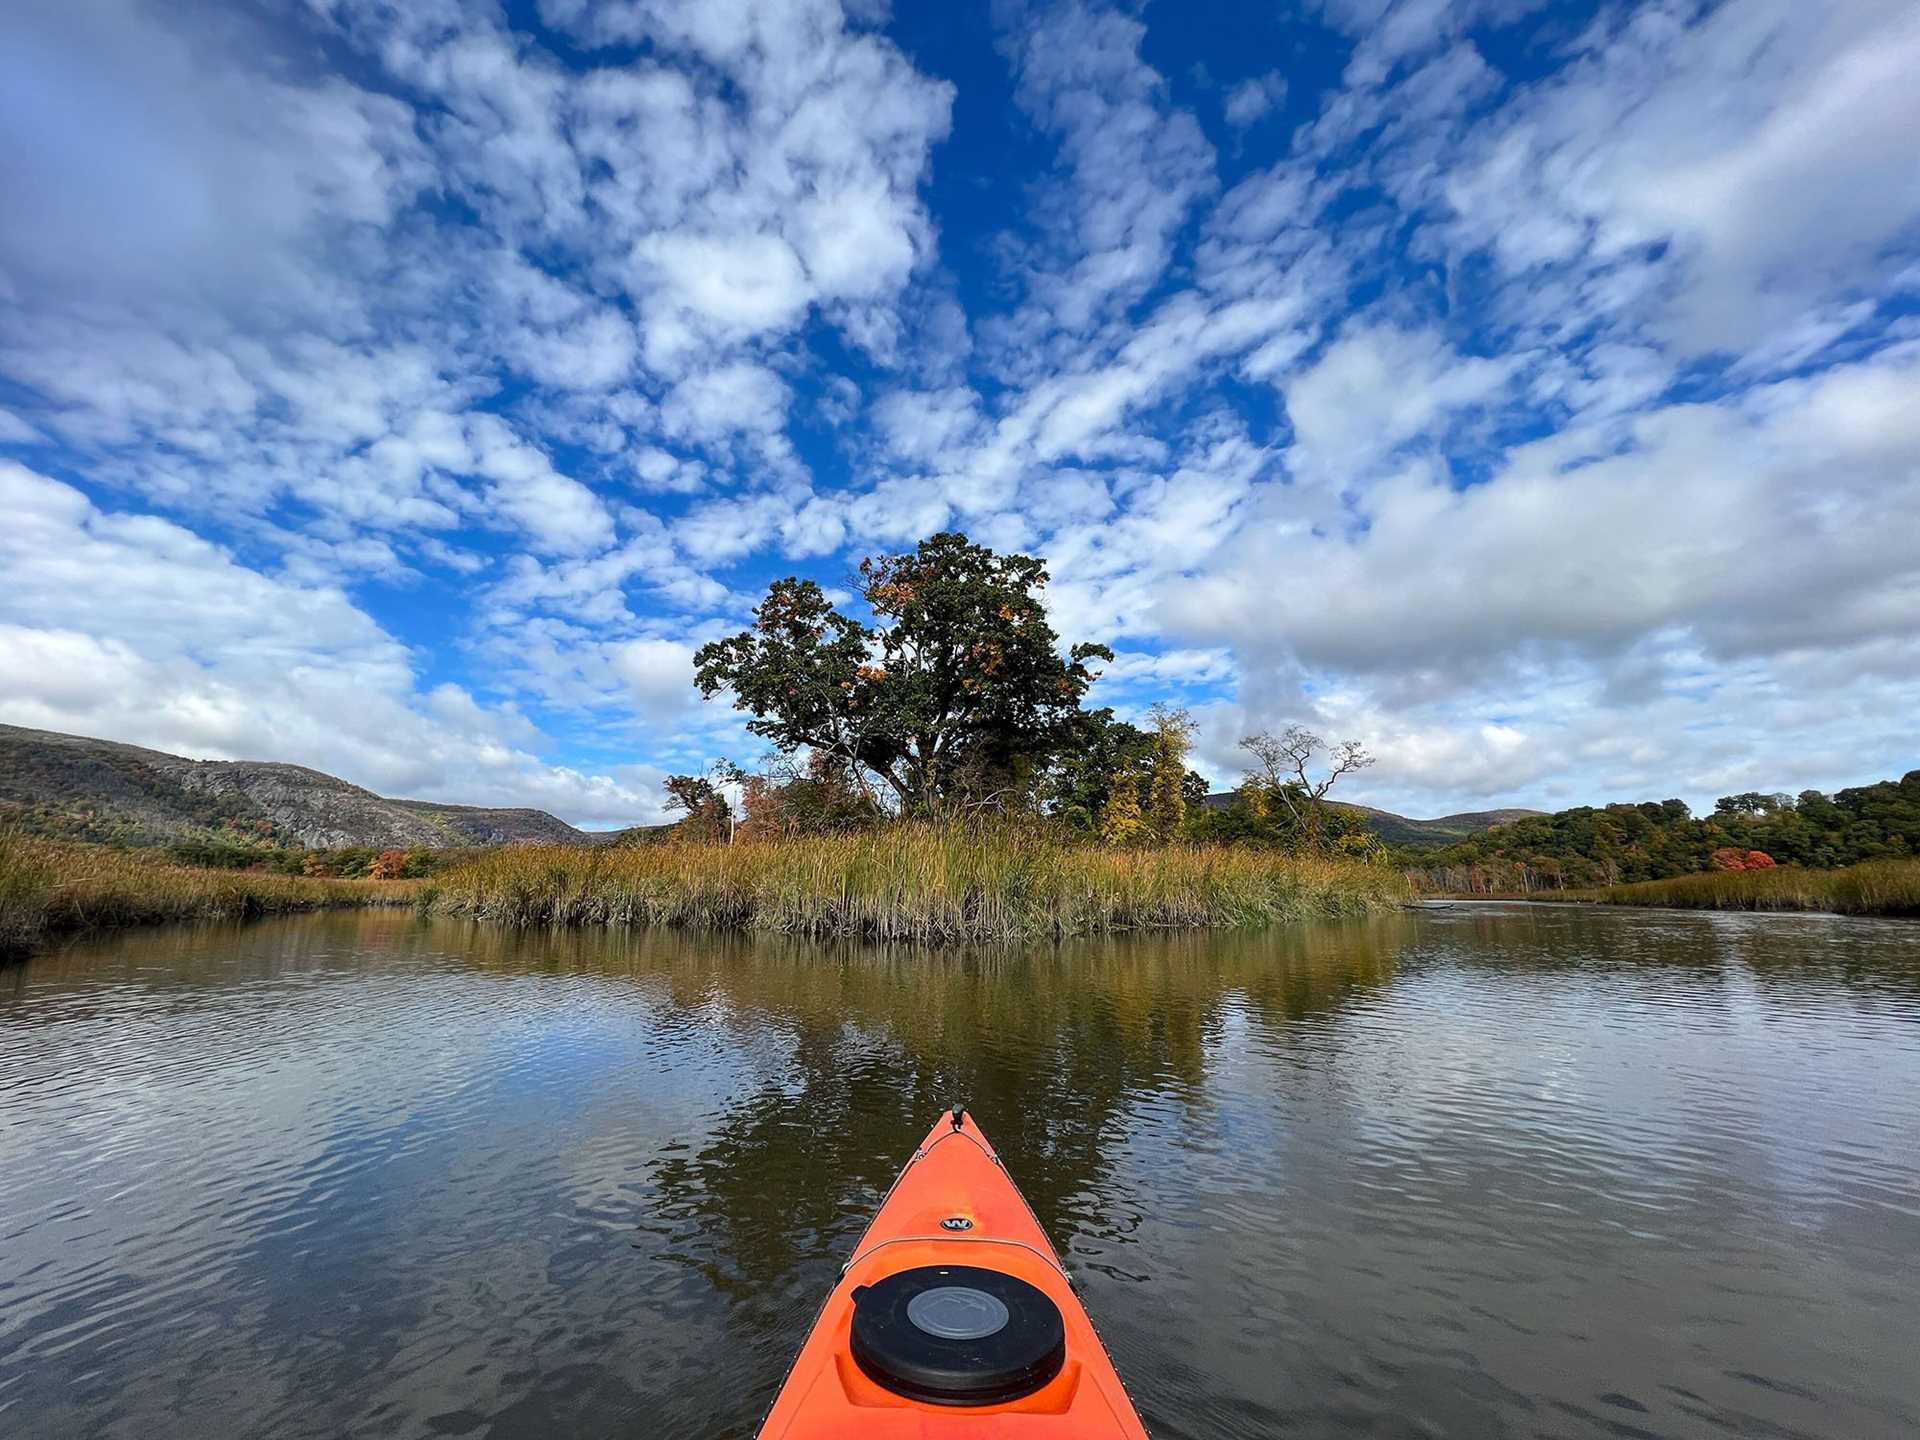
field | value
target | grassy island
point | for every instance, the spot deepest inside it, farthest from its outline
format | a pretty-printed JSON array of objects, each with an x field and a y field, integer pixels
[{"x": 914, "y": 883}]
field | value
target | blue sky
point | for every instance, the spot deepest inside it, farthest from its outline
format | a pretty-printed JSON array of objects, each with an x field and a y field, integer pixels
[{"x": 1527, "y": 390}]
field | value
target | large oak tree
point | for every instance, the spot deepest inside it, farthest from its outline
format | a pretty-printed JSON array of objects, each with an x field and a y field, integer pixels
[{"x": 956, "y": 695}]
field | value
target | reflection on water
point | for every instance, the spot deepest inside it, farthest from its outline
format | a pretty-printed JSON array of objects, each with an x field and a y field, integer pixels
[{"x": 1484, "y": 1171}]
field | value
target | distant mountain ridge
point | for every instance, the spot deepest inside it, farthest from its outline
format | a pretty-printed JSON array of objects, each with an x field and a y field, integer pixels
[
  {"x": 103, "y": 790},
  {"x": 87, "y": 789},
  {"x": 1423, "y": 834},
  {"x": 1415, "y": 834}
]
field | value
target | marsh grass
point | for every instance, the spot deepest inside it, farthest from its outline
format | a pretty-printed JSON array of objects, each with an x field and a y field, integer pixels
[
  {"x": 25, "y": 882},
  {"x": 50, "y": 887},
  {"x": 1877, "y": 887},
  {"x": 914, "y": 884},
  {"x": 920, "y": 884}
]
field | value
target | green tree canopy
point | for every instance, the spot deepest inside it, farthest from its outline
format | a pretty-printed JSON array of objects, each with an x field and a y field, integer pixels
[
  {"x": 1653, "y": 841},
  {"x": 709, "y": 817},
  {"x": 956, "y": 694},
  {"x": 1100, "y": 749}
]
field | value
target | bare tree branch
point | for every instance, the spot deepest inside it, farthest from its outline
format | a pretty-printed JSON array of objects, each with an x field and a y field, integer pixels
[{"x": 1283, "y": 767}]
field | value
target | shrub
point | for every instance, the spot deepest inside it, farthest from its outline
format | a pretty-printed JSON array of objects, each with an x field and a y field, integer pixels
[{"x": 389, "y": 865}]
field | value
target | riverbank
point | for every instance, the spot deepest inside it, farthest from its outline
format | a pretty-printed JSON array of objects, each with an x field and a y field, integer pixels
[
  {"x": 914, "y": 884},
  {"x": 1878, "y": 887},
  {"x": 51, "y": 887}
]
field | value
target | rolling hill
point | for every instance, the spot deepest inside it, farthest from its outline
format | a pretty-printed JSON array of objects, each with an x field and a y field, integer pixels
[
  {"x": 83, "y": 789},
  {"x": 1414, "y": 834},
  {"x": 1428, "y": 834}
]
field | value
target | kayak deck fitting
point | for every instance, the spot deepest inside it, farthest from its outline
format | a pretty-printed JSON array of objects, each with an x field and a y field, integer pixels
[{"x": 953, "y": 1318}]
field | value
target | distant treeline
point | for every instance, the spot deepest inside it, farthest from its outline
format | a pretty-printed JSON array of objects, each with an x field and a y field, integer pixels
[{"x": 1626, "y": 844}]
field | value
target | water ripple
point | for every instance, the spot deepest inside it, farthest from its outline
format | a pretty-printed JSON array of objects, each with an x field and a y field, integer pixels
[{"x": 1484, "y": 1171}]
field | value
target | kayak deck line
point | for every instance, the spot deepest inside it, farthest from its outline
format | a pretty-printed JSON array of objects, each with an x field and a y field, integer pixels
[
  {"x": 1041, "y": 1256},
  {"x": 955, "y": 1236},
  {"x": 953, "y": 1318}
]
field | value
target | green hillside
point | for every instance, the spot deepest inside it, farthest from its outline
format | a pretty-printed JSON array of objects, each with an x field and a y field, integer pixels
[{"x": 1656, "y": 840}]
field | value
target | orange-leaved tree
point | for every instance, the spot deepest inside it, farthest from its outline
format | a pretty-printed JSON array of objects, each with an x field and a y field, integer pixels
[{"x": 1732, "y": 857}]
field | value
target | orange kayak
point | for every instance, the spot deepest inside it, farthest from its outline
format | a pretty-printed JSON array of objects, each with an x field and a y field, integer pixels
[{"x": 954, "y": 1318}]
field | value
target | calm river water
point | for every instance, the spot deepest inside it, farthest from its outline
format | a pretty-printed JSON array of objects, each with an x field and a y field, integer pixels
[{"x": 1475, "y": 1172}]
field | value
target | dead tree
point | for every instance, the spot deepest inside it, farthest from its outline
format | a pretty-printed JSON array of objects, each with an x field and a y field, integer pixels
[{"x": 1283, "y": 763}]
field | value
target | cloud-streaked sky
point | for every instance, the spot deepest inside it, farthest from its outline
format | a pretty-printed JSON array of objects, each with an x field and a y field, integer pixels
[{"x": 407, "y": 389}]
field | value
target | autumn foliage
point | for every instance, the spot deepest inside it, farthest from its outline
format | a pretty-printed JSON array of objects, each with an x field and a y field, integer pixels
[
  {"x": 820, "y": 797},
  {"x": 709, "y": 818},
  {"x": 389, "y": 865},
  {"x": 1731, "y": 857}
]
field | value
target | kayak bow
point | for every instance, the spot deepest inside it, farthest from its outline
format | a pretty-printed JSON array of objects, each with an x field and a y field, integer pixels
[{"x": 953, "y": 1318}]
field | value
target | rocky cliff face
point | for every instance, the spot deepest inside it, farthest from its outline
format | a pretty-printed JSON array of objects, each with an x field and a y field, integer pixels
[{"x": 101, "y": 790}]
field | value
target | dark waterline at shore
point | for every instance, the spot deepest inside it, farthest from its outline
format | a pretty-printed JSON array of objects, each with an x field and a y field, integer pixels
[{"x": 1490, "y": 1170}]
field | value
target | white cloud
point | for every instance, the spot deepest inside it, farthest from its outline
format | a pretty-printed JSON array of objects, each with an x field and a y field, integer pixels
[
  {"x": 593, "y": 352},
  {"x": 285, "y": 307},
  {"x": 15, "y": 431},
  {"x": 1759, "y": 531},
  {"x": 237, "y": 179},
  {"x": 1377, "y": 387},
  {"x": 1174, "y": 667},
  {"x": 659, "y": 674},
  {"x": 1255, "y": 98},
  {"x": 743, "y": 216},
  {"x": 1135, "y": 166},
  {"x": 741, "y": 283},
  {"x": 1767, "y": 144},
  {"x": 131, "y": 628},
  {"x": 1714, "y": 555},
  {"x": 920, "y": 426},
  {"x": 716, "y": 403}
]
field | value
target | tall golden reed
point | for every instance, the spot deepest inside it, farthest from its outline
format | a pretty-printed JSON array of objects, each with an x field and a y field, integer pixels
[
  {"x": 51, "y": 887},
  {"x": 914, "y": 883}
]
